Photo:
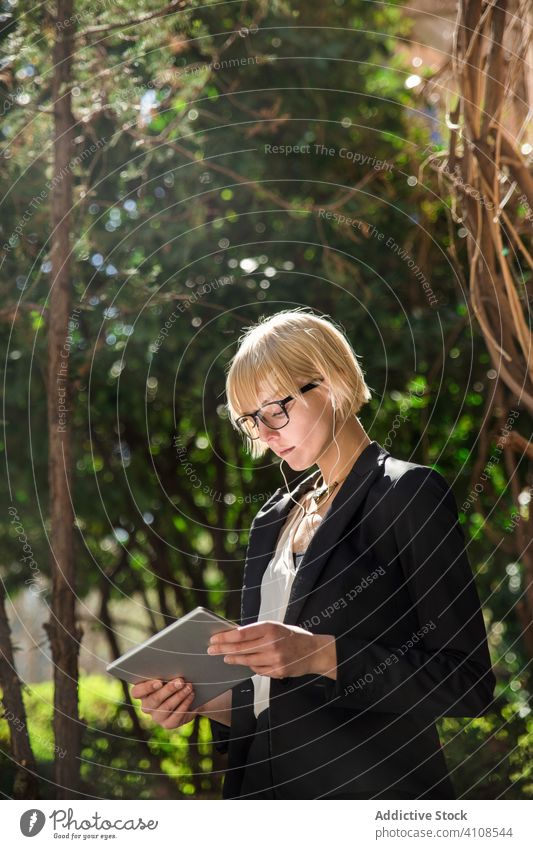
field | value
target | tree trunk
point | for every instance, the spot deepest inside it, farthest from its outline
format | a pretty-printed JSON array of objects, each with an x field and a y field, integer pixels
[
  {"x": 26, "y": 785},
  {"x": 62, "y": 629}
]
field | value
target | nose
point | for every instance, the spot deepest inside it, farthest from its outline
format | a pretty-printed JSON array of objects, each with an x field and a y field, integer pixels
[
  {"x": 267, "y": 434},
  {"x": 265, "y": 431}
]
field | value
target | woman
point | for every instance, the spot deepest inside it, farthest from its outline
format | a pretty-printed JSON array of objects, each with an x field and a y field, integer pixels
[{"x": 360, "y": 620}]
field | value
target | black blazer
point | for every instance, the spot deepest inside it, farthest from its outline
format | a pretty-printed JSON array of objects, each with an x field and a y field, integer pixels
[{"x": 387, "y": 573}]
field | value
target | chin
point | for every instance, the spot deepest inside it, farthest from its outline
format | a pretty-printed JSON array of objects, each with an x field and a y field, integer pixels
[{"x": 296, "y": 462}]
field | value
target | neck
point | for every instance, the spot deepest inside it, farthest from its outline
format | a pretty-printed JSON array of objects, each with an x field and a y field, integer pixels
[{"x": 338, "y": 457}]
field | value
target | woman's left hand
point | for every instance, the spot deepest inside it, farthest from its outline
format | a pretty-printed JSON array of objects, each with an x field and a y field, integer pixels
[{"x": 272, "y": 648}]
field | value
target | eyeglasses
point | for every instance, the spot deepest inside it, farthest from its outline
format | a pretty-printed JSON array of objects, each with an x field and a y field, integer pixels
[{"x": 273, "y": 415}]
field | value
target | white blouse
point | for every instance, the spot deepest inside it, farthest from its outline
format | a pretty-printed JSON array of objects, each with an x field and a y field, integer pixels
[{"x": 275, "y": 592}]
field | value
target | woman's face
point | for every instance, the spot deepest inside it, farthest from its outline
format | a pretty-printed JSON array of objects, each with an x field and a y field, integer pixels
[{"x": 309, "y": 431}]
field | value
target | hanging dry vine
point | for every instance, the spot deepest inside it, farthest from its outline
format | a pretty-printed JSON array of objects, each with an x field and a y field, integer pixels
[{"x": 488, "y": 171}]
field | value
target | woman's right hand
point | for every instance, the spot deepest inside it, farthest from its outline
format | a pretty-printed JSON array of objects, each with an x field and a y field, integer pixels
[{"x": 167, "y": 704}]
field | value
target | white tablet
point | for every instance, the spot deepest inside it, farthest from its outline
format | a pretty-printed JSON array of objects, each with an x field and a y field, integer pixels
[{"x": 180, "y": 650}]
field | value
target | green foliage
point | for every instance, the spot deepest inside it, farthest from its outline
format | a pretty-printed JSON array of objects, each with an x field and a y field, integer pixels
[{"x": 113, "y": 759}]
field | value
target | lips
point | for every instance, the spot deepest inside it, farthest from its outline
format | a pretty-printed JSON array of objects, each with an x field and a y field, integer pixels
[{"x": 286, "y": 451}]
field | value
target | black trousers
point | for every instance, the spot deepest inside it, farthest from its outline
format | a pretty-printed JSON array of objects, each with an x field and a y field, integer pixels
[{"x": 258, "y": 782}]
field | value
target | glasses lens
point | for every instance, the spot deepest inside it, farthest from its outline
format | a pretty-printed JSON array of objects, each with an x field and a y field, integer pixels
[
  {"x": 247, "y": 425},
  {"x": 273, "y": 415}
]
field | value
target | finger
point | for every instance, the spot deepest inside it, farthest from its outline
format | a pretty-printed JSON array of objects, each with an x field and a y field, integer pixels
[
  {"x": 225, "y": 631},
  {"x": 242, "y": 633},
  {"x": 237, "y": 648},
  {"x": 248, "y": 633},
  {"x": 156, "y": 698},
  {"x": 144, "y": 688},
  {"x": 179, "y": 715},
  {"x": 257, "y": 659},
  {"x": 229, "y": 633},
  {"x": 169, "y": 705},
  {"x": 250, "y": 645}
]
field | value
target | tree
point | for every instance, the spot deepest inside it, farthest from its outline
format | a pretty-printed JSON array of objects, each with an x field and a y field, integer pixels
[{"x": 63, "y": 629}]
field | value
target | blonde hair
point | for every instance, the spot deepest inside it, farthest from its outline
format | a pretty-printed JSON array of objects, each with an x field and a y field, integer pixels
[{"x": 286, "y": 350}]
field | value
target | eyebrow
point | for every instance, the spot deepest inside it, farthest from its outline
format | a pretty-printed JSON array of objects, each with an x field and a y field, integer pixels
[{"x": 269, "y": 400}]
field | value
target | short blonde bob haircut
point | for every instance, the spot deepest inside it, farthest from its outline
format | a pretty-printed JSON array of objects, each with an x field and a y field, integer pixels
[{"x": 285, "y": 351}]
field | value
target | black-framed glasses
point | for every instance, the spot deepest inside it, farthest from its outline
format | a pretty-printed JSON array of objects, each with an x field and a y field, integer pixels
[{"x": 273, "y": 415}]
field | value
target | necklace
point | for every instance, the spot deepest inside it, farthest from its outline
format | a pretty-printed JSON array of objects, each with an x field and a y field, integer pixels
[
  {"x": 323, "y": 492},
  {"x": 320, "y": 495}
]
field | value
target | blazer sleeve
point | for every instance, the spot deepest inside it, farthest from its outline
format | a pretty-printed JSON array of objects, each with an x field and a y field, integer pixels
[
  {"x": 220, "y": 734},
  {"x": 444, "y": 668}
]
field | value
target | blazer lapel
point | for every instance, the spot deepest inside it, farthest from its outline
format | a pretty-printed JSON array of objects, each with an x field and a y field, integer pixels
[
  {"x": 264, "y": 534},
  {"x": 266, "y": 528}
]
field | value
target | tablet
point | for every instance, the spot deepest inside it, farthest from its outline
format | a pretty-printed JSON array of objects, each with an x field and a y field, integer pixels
[{"x": 180, "y": 650}]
